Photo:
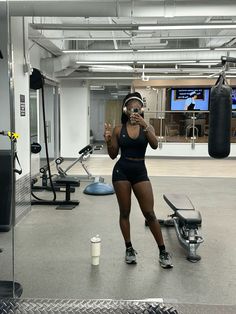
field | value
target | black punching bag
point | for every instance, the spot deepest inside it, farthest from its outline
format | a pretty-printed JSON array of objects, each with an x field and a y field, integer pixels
[
  {"x": 220, "y": 119},
  {"x": 36, "y": 79}
]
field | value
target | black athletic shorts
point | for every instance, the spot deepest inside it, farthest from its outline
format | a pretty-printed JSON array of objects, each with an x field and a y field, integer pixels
[{"x": 133, "y": 171}]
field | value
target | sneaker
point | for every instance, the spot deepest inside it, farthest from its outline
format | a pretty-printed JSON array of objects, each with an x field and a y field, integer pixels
[
  {"x": 165, "y": 260},
  {"x": 130, "y": 256}
]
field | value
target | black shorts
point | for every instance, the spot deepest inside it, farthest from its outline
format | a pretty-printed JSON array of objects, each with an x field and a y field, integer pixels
[{"x": 133, "y": 171}]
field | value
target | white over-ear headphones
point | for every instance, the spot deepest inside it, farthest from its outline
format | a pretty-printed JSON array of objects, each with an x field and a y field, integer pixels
[
  {"x": 138, "y": 110},
  {"x": 134, "y": 97},
  {"x": 130, "y": 98}
]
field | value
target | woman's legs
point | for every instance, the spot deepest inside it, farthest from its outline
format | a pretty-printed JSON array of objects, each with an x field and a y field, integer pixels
[
  {"x": 123, "y": 194},
  {"x": 144, "y": 195}
]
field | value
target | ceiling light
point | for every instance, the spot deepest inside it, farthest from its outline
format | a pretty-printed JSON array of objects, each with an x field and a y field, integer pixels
[
  {"x": 225, "y": 48},
  {"x": 174, "y": 50},
  {"x": 217, "y": 20},
  {"x": 97, "y": 87},
  {"x": 100, "y": 66},
  {"x": 209, "y": 61},
  {"x": 98, "y": 51},
  {"x": 103, "y": 62},
  {"x": 165, "y": 61},
  {"x": 176, "y": 76},
  {"x": 110, "y": 68},
  {"x": 186, "y": 26}
]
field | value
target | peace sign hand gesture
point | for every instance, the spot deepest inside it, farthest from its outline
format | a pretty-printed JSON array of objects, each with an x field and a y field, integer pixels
[{"x": 107, "y": 132}]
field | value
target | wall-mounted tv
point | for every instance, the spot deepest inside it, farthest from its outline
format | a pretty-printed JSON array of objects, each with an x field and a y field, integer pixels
[
  {"x": 234, "y": 98},
  {"x": 190, "y": 98}
]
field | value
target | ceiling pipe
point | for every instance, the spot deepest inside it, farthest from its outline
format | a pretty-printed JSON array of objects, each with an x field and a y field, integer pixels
[
  {"x": 127, "y": 38},
  {"x": 65, "y": 61},
  {"x": 124, "y": 8},
  {"x": 132, "y": 27},
  {"x": 85, "y": 27}
]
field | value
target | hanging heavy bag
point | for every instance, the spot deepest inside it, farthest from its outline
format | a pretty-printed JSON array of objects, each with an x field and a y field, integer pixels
[
  {"x": 36, "y": 79},
  {"x": 220, "y": 119}
]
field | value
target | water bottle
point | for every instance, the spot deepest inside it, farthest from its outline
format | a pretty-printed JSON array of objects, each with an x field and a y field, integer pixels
[{"x": 95, "y": 249}]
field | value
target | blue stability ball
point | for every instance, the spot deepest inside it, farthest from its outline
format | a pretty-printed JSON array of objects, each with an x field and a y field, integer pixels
[{"x": 99, "y": 188}]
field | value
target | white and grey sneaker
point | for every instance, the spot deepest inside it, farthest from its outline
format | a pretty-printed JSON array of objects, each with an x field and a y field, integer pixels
[
  {"x": 130, "y": 256},
  {"x": 165, "y": 260}
]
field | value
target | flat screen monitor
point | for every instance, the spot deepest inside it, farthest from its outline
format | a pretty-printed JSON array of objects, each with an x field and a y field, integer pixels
[
  {"x": 234, "y": 98},
  {"x": 190, "y": 98}
]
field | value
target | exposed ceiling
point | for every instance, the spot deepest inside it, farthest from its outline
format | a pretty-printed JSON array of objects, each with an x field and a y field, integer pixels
[{"x": 105, "y": 40}]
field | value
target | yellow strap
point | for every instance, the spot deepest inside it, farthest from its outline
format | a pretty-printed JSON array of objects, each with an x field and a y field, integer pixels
[{"x": 13, "y": 135}]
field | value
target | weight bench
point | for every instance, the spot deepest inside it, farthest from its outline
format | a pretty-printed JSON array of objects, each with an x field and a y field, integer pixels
[
  {"x": 186, "y": 221},
  {"x": 68, "y": 182}
]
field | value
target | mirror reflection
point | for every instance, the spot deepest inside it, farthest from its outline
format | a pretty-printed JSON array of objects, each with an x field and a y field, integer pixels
[{"x": 78, "y": 210}]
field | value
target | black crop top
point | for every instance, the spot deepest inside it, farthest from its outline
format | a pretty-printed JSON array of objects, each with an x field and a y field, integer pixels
[{"x": 132, "y": 148}]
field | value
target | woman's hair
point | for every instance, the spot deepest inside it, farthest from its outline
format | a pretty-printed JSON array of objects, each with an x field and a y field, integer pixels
[{"x": 126, "y": 100}]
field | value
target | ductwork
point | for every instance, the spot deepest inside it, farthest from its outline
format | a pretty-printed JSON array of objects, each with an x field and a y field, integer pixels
[
  {"x": 122, "y": 8},
  {"x": 52, "y": 65},
  {"x": 67, "y": 63}
]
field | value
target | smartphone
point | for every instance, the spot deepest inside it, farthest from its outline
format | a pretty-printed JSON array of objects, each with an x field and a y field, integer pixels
[{"x": 135, "y": 110}]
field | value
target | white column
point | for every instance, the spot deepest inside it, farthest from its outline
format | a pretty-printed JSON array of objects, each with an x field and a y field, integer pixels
[
  {"x": 21, "y": 93},
  {"x": 4, "y": 79},
  {"x": 75, "y": 117}
]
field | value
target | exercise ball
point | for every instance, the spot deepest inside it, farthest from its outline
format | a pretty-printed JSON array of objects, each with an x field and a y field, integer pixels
[{"x": 99, "y": 188}]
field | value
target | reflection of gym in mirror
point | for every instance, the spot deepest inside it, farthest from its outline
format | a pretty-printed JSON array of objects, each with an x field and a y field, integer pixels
[{"x": 117, "y": 157}]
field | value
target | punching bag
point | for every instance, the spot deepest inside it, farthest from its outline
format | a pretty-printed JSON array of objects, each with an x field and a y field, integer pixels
[
  {"x": 220, "y": 119},
  {"x": 36, "y": 79}
]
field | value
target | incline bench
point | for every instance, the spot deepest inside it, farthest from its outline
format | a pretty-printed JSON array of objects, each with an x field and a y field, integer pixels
[{"x": 186, "y": 221}]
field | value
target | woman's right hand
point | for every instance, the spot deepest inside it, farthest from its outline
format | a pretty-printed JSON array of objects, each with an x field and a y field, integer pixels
[{"x": 107, "y": 132}]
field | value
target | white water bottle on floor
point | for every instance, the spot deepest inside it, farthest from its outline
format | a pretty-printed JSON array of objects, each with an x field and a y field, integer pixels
[{"x": 95, "y": 249}]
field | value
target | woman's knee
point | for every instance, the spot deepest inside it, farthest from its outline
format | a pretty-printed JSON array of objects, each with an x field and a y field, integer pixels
[
  {"x": 150, "y": 216},
  {"x": 124, "y": 214}
]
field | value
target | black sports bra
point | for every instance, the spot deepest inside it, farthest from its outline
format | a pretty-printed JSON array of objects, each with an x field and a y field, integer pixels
[{"x": 132, "y": 148}]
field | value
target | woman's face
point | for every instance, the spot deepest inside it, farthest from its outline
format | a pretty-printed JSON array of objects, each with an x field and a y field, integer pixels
[
  {"x": 133, "y": 106},
  {"x": 133, "y": 110}
]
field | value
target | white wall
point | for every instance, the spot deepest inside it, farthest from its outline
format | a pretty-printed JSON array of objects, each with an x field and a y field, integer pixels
[
  {"x": 74, "y": 117},
  {"x": 4, "y": 84},
  {"x": 21, "y": 87},
  {"x": 97, "y": 113}
]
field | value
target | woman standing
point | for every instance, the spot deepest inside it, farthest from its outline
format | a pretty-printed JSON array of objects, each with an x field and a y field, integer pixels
[{"x": 130, "y": 173}]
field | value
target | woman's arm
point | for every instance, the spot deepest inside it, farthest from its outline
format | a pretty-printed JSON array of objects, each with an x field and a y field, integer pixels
[
  {"x": 151, "y": 137},
  {"x": 111, "y": 139}
]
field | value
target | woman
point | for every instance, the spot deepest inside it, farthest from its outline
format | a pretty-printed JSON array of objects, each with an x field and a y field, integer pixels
[{"x": 130, "y": 173}]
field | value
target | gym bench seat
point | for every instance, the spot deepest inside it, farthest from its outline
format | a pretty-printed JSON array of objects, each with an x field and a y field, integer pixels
[
  {"x": 68, "y": 182},
  {"x": 186, "y": 221},
  {"x": 190, "y": 217}
]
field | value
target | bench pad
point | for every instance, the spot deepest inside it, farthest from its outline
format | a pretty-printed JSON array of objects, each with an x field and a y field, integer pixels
[
  {"x": 71, "y": 180},
  {"x": 178, "y": 202},
  {"x": 192, "y": 217}
]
